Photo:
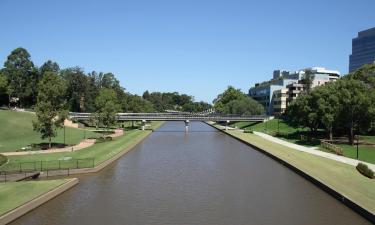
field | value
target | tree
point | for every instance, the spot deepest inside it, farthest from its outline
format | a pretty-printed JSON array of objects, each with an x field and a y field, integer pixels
[
  {"x": 3, "y": 83},
  {"x": 301, "y": 112},
  {"x": 77, "y": 83},
  {"x": 20, "y": 73},
  {"x": 230, "y": 94},
  {"x": 244, "y": 106},
  {"x": 50, "y": 107},
  {"x": 355, "y": 106},
  {"x": 107, "y": 107},
  {"x": 49, "y": 66},
  {"x": 307, "y": 80},
  {"x": 327, "y": 106}
]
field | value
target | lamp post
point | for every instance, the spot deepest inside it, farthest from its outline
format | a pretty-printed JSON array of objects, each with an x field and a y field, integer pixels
[{"x": 278, "y": 125}]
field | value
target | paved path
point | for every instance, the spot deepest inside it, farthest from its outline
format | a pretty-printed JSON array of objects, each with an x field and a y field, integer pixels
[
  {"x": 313, "y": 151},
  {"x": 83, "y": 144}
]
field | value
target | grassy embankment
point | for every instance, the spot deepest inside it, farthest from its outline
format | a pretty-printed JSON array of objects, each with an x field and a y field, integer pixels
[
  {"x": 341, "y": 177},
  {"x": 292, "y": 134},
  {"x": 16, "y": 132},
  {"x": 15, "y": 194},
  {"x": 100, "y": 152}
]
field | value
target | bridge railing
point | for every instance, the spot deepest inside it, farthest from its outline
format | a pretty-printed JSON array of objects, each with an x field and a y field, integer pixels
[{"x": 171, "y": 116}]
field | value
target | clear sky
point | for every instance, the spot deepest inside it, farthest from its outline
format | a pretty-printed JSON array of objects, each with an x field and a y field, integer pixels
[{"x": 198, "y": 47}]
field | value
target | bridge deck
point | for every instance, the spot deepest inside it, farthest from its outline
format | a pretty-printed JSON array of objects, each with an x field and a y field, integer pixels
[{"x": 173, "y": 117}]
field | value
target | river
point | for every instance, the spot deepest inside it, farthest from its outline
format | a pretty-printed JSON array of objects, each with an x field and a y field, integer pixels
[{"x": 202, "y": 177}]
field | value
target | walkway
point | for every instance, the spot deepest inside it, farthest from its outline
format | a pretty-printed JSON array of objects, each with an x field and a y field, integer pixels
[
  {"x": 313, "y": 151},
  {"x": 82, "y": 145}
]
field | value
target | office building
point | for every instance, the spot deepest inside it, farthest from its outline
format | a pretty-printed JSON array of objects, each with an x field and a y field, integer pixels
[{"x": 363, "y": 49}]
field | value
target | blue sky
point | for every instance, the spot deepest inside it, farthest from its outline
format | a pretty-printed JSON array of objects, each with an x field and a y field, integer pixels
[{"x": 198, "y": 47}]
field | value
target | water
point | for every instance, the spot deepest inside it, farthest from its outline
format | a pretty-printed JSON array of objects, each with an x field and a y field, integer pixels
[{"x": 204, "y": 177}]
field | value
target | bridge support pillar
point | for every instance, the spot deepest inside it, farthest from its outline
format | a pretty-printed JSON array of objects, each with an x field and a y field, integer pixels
[
  {"x": 186, "y": 125},
  {"x": 143, "y": 124},
  {"x": 226, "y": 124}
]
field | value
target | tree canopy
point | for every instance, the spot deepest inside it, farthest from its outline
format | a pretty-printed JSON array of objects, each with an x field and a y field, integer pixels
[
  {"x": 344, "y": 106},
  {"x": 234, "y": 101}
]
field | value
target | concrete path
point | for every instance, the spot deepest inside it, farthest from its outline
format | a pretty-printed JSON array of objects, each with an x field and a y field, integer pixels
[
  {"x": 83, "y": 144},
  {"x": 313, "y": 151}
]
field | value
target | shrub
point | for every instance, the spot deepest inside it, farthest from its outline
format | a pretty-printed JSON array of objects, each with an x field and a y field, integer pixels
[
  {"x": 108, "y": 138},
  {"x": 3, "y": 159},
  {"x": 364, "y": 170},
  {"x": 332, "y": 148},
  {"x": 248, "y": 131}
]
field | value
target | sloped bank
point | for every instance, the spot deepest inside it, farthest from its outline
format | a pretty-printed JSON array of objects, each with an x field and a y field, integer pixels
[
  {"x": 341, "y": 181},
  {"x": 41, "y": 192}
]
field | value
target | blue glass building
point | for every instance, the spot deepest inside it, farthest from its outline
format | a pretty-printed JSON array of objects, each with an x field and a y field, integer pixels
[{"x": 363, "y": 49}]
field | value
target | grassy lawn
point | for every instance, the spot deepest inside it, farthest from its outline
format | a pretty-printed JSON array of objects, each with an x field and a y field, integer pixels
[
  {"x": 14, "y": 194},
  {"x": 291, "y": 134},
  {"x": 366, "y": 153},
  {"x": 99, "y": 152},
  {"x": 16, "y": 131},
  {"x": 341, "y": 177}
]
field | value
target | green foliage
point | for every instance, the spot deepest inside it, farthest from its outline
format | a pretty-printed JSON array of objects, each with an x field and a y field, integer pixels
[
  {"x": 3, "y": 84},
  {"x": 107, "y": 107},
  {"x": 244, "y": 106},
  {"x": 50, "y": 107},
  {"x": 234, "y": 101},
  {"x": 3, "y": 159},
  {"x": 346, "y": 105},
  {"x": 174, "y": 101},
  {"x": 230, "y": 94},
  {"x": 21, "y": 75},
  {"x": 332, "y": 148},
  {"x": 363, "y": 169}
]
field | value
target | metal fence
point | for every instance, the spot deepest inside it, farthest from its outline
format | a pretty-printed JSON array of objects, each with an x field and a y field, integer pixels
[{"x": 44, "y": 166}]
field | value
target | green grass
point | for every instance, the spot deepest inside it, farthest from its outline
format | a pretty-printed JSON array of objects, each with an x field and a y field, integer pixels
[
  {"x": 292, "y": 134},
  {"x": 339, "y": 176},
  {"x": 15, "y": 194},
  {"x": 100, "y": 152},
  {"x": 16, "y": 131},
  {"x": 366, "y": 153}
]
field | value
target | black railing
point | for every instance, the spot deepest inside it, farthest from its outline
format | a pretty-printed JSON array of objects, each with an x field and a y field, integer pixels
[{"x": 21, "y": 168}]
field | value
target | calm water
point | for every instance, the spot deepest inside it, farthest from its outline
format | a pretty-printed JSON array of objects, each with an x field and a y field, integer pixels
[{"x": 203, "y": 177}]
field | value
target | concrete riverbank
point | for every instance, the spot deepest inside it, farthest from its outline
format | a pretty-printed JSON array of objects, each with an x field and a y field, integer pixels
[{"x": 340, "y": 180}]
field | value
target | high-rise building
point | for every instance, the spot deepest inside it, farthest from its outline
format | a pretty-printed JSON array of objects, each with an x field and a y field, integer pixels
[{"x": 363, "y": 49}]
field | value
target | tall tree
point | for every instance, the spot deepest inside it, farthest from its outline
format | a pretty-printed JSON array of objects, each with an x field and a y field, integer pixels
[
  {"x": 230, "y": 94},
  {"x": 76, "y": 88},
  {"x": 50, "y": 107},
  {"x": 244, "y": 106},
  {"x": 20, "y": 73},
  {"x": 107, "y": 107}
]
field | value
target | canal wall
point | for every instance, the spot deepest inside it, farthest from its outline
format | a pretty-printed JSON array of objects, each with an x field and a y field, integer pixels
[
  {"x": 34, "y": 203},
  {"x": 343, "y": 199}
]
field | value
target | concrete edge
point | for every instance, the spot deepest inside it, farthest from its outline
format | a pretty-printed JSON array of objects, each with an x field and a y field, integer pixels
[
  {"x": 340, "y": 197},
  {"x": 36, "y": 202}
]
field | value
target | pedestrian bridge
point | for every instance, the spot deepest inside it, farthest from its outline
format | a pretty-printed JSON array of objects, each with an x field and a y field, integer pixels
[{"x": 186, "y": 117}]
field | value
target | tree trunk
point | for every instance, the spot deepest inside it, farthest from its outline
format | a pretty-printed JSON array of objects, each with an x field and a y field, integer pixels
[
  {"x": 49, "y": 142},
  {"x": 351, "y": 134},
  {"x": 330, "y": 134}
]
